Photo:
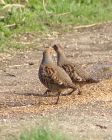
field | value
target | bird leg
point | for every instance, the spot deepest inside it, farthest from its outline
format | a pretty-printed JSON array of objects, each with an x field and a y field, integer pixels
[
  {"x": 57, "y": 98},
  {"x": 78, "y": 91}
]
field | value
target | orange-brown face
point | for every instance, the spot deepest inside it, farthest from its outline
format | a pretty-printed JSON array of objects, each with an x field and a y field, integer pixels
[{"x": 48, "y": 51}]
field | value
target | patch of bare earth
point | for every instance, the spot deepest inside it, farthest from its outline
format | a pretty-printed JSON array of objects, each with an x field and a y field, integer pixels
[{"x": 86, "y": 116}]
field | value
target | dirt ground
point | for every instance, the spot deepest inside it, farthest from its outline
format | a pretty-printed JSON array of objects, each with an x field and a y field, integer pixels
[{"x": 84, "y": 117}]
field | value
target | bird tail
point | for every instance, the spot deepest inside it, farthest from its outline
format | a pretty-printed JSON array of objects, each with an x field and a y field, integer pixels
[{"x": 92, "y": 80}]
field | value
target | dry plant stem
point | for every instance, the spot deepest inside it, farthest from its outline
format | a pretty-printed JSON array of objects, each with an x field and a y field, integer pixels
[
  {"x": 2, "y": 2},
  {"x": 44, "y": 7},
  {"x": 9, "y": 6},
  {"x": 12, "y": 26},
  {"x": 91, "y": 25},
  {"x": 62, "y": 14}
]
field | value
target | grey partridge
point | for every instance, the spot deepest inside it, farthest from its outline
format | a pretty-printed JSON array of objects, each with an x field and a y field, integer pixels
[
  {"x": 75, "y": 71},
  {"x": 54, "y": 78}
]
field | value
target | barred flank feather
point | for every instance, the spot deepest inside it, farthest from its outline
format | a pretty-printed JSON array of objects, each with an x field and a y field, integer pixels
[
  {"x": 75, "y": 71},
  {"x": 52, "y": 76}
]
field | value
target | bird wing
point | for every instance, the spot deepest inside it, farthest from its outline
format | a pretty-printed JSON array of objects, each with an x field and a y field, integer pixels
[
  {"x": 74, "y": 74},
  {"x": 77, "y": 73},
  {"x": 84, "y": 74},
  {"x": 57, "y": 75}
]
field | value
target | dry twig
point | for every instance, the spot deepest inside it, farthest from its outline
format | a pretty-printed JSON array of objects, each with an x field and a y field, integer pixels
[
  {"x": 11, "y": 26},
  {"x": 2, "y": 2},
  {"x": 45, "y": 7},
  {"x": 8, "y": 7}
]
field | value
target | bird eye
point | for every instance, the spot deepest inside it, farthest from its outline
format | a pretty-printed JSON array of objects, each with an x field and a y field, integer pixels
[{"x": 56, "y": 47}]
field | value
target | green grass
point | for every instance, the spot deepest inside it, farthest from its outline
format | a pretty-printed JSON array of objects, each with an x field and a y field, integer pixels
[
  {"x": 36, "y": 16},
  {"x": 41, "y": 134}
]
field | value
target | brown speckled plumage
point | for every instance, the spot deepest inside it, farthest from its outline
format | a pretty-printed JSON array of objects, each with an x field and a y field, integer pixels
[
  {"x": 53, "y": 77},
  {"x": 75, "y": 71}
]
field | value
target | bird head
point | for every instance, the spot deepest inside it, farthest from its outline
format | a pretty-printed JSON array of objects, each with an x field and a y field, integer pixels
[
  {"x": 58, "y": 48},
  {"x": 48, "y": 51},
  {"x": 47, "y": 56},
  {"x": 61, "y": 57}
]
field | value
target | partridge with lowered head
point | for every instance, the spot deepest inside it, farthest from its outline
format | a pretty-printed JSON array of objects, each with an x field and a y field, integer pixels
[{"x": 74, "y": 70}]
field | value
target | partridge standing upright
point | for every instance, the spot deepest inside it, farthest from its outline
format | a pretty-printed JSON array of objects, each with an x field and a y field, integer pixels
[
  {"x": 54, "y": 78},
  {"x": 75, "y": 71}
]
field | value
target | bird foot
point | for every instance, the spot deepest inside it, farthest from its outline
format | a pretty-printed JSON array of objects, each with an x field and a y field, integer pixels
[{"x": 78, "y": 91}]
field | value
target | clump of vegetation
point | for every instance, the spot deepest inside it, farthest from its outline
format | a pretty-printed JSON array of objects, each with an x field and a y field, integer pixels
[
  {"x": 18, "y": 16},
  {"x": 41, "y": 134}
]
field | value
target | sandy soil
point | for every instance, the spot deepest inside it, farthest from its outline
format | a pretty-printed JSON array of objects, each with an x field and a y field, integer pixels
[{"x": 86, "y": 116}]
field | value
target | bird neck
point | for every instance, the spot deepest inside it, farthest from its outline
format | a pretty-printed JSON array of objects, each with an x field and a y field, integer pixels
[
  {"x": 61, "y": 57},
  {"x": 47, "y": 59}
]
